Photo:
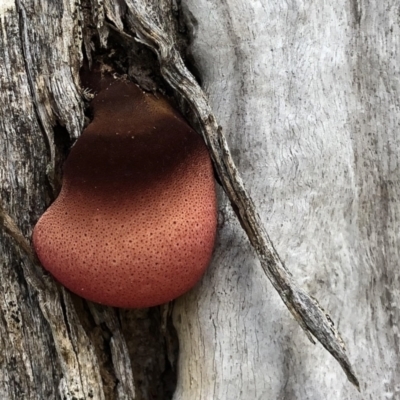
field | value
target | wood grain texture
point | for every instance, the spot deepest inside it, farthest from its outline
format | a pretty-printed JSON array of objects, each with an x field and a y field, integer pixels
[
  {"x": 21, "y": 146},
  {"x": 308, "y": 94},
  {"x": 308, "y": 97}
]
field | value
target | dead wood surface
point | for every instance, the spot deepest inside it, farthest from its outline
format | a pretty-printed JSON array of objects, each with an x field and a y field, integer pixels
[{"x": 308, "y": 100}]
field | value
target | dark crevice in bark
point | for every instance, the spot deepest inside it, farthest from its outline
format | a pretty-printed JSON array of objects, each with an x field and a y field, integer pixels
[
  {"x": 63, "y": 143},
  {"x": 155, "y": 378}
]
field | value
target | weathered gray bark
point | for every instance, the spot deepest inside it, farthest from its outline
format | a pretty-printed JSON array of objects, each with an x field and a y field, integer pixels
[
  {"x": 308, "y": 98},
  {"x": 308, "y": 93}
]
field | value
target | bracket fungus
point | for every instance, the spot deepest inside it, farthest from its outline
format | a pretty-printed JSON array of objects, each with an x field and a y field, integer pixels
[{"x": 135, "y": 222}]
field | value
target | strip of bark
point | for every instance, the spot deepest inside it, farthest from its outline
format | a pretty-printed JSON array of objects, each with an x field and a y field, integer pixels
[{"x": 306, "y": 310}]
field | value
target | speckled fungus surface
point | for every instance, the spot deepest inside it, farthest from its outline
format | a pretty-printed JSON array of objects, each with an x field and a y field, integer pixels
[{"x": 135, "y": 222}]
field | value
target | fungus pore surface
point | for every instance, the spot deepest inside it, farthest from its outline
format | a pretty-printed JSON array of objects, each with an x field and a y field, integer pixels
[{"x": 135, "y": 222}]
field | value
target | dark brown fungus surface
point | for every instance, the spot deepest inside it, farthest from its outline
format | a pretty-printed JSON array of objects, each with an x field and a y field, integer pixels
[{"x": 135, "y": 222}]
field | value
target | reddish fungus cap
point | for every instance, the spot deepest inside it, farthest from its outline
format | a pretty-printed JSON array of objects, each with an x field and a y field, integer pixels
[{"x": 135, "y": 222}]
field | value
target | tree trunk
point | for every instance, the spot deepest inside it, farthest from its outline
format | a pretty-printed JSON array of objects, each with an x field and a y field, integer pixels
[{"x": 308, "y": 98}]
